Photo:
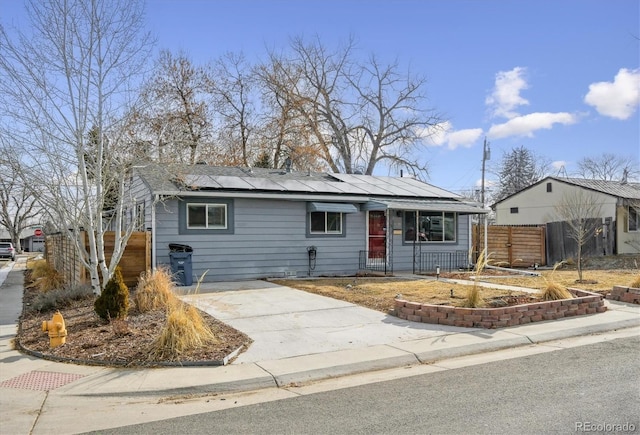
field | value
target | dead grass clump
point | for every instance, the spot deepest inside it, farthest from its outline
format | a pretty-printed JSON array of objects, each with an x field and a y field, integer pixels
[
  {"x": 185, "y": 330},
  {"x": 473, "y": 298},
  {"x": 553, "y": 292},
  {"x": 44, "y": 277},
  {"x": 154, "y": 291},
  {"x": 635, "y": 283}
]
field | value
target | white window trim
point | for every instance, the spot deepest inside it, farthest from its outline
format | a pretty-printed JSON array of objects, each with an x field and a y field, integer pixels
[
  {"x": 206, "y": 215},
  {"x": 326, "y": 231}
]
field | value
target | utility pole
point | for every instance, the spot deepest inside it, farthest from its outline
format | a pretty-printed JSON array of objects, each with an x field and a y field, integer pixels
[{"x": 486, "y": 155}]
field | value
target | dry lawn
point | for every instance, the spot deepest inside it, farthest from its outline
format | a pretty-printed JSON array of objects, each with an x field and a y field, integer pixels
[
  {"x": 598, "y": 281},
  {"x": 379, "y": 293}
]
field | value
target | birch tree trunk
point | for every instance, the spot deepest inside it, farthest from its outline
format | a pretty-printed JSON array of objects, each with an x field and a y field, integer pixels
[{"x": 64, "y": 78}]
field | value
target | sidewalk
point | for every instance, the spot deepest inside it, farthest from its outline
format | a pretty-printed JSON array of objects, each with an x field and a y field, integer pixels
[{"x": 26, "y": 382}]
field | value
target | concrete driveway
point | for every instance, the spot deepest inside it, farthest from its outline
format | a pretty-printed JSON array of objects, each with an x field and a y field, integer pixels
[{"x": 285, "y": 322}]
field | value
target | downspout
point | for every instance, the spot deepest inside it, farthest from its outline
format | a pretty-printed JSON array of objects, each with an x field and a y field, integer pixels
[
  {"x": 153, "y": 231},
  {"x": 470, "y": 244}
]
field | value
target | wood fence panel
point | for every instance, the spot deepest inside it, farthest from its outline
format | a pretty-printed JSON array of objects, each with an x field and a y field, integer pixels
[
  {"x": 512, "y": 246},
  {"x": 562, "y": 246},
  {"x": 61, "y": 254},
  {"x": 528, "y": 246}
]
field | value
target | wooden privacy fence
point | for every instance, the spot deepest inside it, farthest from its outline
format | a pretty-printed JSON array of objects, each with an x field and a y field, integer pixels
[
  {"x": 61, "y": 254},
  {"x": 512, "y": 246},
  {"x": 562, "y": 244}
]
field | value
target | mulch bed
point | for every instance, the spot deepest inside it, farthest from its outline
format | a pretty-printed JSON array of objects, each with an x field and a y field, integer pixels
[{"x": 128, "y": 342}]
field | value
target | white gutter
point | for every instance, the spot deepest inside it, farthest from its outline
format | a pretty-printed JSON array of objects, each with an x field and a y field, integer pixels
[{"x": 297, "y": 197}]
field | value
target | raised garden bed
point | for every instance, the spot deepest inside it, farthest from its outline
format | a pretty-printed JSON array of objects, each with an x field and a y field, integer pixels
[
  {"x": 625, "y": 294},
  {"x": 583, "y": 303}
]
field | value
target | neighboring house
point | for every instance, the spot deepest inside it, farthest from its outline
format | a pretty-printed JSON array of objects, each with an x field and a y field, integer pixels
[
  {"x": 255, "y": 223},
  {"x": 31, "y": 238},
  {"x": 535, "y": 205}
]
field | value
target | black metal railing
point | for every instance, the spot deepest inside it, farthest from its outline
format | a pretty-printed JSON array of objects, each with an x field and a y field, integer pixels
[
  {"x": 446, "y": 261},
  {"x": 374, "y": 261}
]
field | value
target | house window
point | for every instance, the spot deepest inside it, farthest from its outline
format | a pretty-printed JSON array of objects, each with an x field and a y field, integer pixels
[
  {"x": 429, "y": 226},
  {"x": 207, "y": 216},
  {"x": 634, "y": 219},
  {"x": 549, "y": 187},
  {"x": 325, "y": 222},
  {"x": 514, "y": 210}
]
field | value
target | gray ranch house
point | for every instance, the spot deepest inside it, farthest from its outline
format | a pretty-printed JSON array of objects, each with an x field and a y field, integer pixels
[{"x": 249, "y": 223}]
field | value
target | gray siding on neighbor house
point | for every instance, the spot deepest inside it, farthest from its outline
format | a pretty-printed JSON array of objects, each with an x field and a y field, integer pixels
[{"x": 269, "y": 239}]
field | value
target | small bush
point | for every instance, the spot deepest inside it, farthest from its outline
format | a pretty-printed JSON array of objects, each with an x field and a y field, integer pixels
[
  {"x": 44, "y": 277},
  {"x": 185, "y": 329},
  {"x": 554, "y": 291},
  {"x": 113, "y": 302},
  {"x": 154, "y": 290},
  {"x": 58, "y": 299},
  {"x": 635, "y": 283}
]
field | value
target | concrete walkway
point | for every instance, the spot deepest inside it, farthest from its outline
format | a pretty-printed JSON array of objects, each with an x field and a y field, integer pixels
[{"x": 298, "y": 337}]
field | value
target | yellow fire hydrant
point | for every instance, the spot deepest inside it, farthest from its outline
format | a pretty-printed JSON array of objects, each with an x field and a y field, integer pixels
[{"x": 57, "y": 330}]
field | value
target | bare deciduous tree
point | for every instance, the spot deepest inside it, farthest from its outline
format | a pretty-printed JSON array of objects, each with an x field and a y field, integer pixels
[
  {"x": 18, "y": 207},
  {"x": 174, "y": 115},
  {"x": 582, "y": 211},
  {"x": 63, "y": 77},
  {"x": 357, "y": 114},
  {"x": 391, "y": 117},
  {"x": 608, "y": 167},
  {"x": 283, "y": 132},
  {"x": 232, "y": 89}
]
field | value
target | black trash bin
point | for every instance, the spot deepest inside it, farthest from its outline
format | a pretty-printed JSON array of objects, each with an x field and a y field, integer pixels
[{"x": 180, "y": 257}]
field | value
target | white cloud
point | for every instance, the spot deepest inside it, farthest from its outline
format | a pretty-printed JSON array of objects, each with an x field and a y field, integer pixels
[
  {"x": 618, "y": 99},
  {"x": 526, "y": 125},
  {"x": 463, "y": 138},
  {"x": 435, "y": 135},
  {"x": 558, "y": 164},
  {"x": 444, "y": 135},
  {"x": 505, "y": 96}
]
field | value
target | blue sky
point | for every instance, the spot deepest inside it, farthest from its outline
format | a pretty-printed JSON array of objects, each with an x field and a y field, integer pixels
[{"x": 560, "y": 77}]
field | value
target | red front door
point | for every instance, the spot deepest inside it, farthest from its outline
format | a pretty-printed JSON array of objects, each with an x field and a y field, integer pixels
[{"x": 377, "y": 234}]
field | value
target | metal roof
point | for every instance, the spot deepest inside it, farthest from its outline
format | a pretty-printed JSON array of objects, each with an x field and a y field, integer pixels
[
  {"x": 613, "y": 188},
  {"x": 388, "y": 192},
  {"x": 617, "y": 189}
]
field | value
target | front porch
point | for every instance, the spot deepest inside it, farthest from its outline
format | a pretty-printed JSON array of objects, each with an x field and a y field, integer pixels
[{"x": 423, "y": 262}]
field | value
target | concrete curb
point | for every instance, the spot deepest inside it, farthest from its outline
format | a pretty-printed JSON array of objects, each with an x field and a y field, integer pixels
[
  {"x": 312, "y": 368},
  {"x": 316, "y": 367},
  {"x": 429, "y": 351}
]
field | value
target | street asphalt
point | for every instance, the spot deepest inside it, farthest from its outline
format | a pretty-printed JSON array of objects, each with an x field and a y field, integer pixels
[{"x": 298, "y": 338}]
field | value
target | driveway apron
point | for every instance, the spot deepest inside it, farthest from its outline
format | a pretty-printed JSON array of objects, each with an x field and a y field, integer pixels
[{"x": 285, "y": 322}]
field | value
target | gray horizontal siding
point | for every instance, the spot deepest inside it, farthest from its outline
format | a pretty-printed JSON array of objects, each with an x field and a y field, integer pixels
[
  {"x": 269, "y": 240},
  {"x": 403, "y": 253}
]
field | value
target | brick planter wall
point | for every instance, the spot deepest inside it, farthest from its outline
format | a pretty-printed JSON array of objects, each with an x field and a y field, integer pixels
[
  {"x": 584, "y": 303},
  {"x": 625, "y": 294}
]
